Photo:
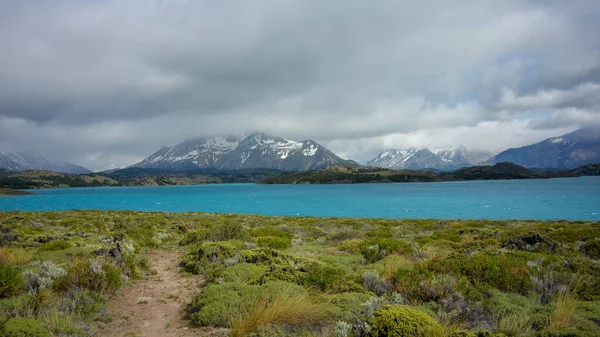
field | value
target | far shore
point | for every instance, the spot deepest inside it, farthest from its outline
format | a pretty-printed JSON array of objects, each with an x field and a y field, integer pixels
[{"x": 10, "y": 192}]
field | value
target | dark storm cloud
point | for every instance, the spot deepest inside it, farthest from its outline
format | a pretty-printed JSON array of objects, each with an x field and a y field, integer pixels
[{"x": 108, "y": 82}]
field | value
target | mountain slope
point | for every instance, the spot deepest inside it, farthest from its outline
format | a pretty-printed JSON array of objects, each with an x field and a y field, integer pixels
[
  {"x": 568, "y": 151},
  {"x": 258, "y": 150},
  {"x": 191, "y": 154},
  {"x": 439, "y": 159},
  {"x": 22, "y": 162}
]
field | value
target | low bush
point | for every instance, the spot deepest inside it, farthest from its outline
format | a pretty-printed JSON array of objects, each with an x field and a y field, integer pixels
[
  {"x": 273, "y": 242},
  {"x": 23, "y": 327},
  {"x": 591, "y": 248},
  {"x": 11, "y": 281},
  {"x": 334, "y": 278},
  {"x": 43, "y": 278},
  {"x": 218, "y": 304},
  {"x": 94, "y": 276},
  {"x": 505, "y": 271},
  {"x": 270, "y": 232},
  {"x": 399, "y": 321},
  {"x": 55, "y": 246},
  {"x": 374, "y": 250}
]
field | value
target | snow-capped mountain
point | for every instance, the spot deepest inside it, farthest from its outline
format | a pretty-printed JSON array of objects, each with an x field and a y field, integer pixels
[
  {"x": 568, "y": 151},
  {"x": 22, "y": 162},
  {"x": 258, "y": 150},
  {"x": 444, "y": 159},
  {"x": 192, "y": 153}
]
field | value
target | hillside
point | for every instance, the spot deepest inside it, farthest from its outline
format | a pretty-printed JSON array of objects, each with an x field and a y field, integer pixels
[
  {"x": 23, "y": 162},
  {"x": 568, "y": 151},
  {"x": 128, "y": 177},
  {"x": 501, "y": 171}
]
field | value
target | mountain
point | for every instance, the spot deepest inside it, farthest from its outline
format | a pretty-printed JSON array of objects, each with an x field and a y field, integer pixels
[
  {"x": 568, "y": 151},
  {"x": 22, "y": 162},
  {"x": 257, "y": 150},
  {"x": 439, "y": 159},
  {"x": 192, "y": 154}
]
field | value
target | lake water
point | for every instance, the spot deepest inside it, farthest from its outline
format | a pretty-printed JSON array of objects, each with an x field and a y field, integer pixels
[{"x": 569, "y": 198}]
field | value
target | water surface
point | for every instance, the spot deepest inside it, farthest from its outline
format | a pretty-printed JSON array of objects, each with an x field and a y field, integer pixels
[{"x": 566, "y": 198}]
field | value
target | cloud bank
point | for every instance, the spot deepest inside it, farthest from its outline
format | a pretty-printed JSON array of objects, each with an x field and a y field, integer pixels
[{"x": 108, "y": 82}]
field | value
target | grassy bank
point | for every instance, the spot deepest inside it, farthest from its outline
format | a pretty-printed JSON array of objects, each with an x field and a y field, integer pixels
[
  {"x": 10, "y": 191},
  {"x": 284, "y": 276}
]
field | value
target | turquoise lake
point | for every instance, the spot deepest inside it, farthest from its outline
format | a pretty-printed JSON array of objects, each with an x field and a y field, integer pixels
[{"x": 553, "y": 199}]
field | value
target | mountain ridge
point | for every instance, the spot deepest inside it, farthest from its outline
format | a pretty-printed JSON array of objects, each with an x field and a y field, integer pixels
[
  {"x": 256, "y": 150},
  {"x": 568, "y": 151},
  {"x": 22, "y": 162},
  {"x": 441, "y": 159}
]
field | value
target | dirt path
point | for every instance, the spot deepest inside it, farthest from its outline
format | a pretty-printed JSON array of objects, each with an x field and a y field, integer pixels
[{"x": 154, "y": 307}]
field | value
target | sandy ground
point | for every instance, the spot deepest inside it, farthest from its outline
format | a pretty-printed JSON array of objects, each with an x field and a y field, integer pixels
[{"x": 154, "y": 307}]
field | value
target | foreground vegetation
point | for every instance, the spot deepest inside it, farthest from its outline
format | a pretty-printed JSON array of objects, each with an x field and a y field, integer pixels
[
  {"x": 345, "y": 175},
  {"x": 287, "y": 276}
]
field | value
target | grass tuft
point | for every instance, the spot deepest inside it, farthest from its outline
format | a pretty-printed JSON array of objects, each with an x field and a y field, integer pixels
[
  {"x": 293, "y": 310},
  {"x": 15, "y": 256},
  {"x": 563, "y": 314}
]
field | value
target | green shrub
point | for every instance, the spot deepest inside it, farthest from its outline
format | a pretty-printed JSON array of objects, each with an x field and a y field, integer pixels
[
  {"x": 11, "y": 281},
  {"x": 194, "y": 237},
  {"x": 269, "y": 231},
  {"x": 218, "y": 304},
  {"x": 569, "y": 333},
  {"x": 23, "y": 327},
  {"x": 334, "y": 278},
  {"x": 243, "y": 273},
  {"x": 200, "y": 256},
  {"x": 95, "y": 276},
  {"x": 374, "y": 250},
  {"x": 281, "y": 266},
  {"x": 86, "y": 303},
  {"x": 227, "y": 231},
  {"x": 591, "y": 248},
  {"x": 273, "y": 242},
  {"x": 505, "y": 271},
  {"x": 54, "y": 246},
  {"x": 380, "y": 232},
  {"x": 399, "y": 321}
]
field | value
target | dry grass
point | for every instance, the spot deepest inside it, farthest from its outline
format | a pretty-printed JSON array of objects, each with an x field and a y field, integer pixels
[
  {"x": 391, "y": 264},
  {"x": 514, "y": 325},
  {"x": 563, "y": 315},
  {"x": 15, "y": 256},
  {"x": 294, "y": 310}
]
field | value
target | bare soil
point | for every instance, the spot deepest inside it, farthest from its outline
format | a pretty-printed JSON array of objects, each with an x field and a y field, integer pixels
[{"x": 155, "y": 306}]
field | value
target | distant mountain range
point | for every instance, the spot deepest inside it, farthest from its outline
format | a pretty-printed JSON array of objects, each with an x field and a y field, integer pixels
[
  {"x": 568, "y": 151},
  {"x": 264, "y": 151},
  {"x": 23, "y": 162},
  {"x": 445, "y": 159},
  {"x": 257, "y": 150}
]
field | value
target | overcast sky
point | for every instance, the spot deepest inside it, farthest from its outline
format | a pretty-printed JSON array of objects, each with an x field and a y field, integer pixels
[{"x": 107, "y": 82}]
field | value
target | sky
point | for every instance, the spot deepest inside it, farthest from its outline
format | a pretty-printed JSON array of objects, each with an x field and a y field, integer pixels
[{"x": 105, "y": 83}]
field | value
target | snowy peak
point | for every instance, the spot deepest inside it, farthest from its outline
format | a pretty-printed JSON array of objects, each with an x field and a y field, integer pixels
[
  {"x": 439, "y": 158},
  {"x": 192, "y": 153},
  {"x": 23, "y": 162},
  {"x": 257, "y": 150}
]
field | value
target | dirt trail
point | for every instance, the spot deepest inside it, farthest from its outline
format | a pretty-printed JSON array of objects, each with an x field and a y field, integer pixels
[{"x": 153, "y": 307}]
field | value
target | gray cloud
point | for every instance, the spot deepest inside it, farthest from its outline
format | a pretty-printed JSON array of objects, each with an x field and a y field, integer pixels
[{"x": 108, "y": 82}]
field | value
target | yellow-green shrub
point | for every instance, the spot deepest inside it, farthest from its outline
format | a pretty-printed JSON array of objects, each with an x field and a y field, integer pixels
[
  {"x": 22, "y": 327},
  {"x": 400, "y": 321},
  {"x": 11, "y": 281}
]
